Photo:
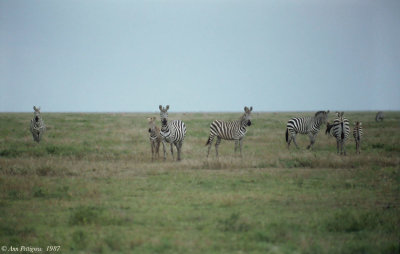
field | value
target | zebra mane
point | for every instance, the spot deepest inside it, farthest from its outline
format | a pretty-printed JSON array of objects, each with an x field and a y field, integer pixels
[{"x": 321, "y": 113}]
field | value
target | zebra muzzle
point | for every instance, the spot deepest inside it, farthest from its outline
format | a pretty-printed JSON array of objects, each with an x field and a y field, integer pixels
[{"x": 249, "y": 123}]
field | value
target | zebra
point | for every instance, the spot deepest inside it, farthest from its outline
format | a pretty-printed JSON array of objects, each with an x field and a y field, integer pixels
[
  {"x": 155, "y": 138},
  {"x": 340, "y": 129},
  {"x": 379, "y": 116},
  {"x": 171, "y": 132},
  {"x": 357, "y": 134},
  {"x": 305, "y": 125},
  {"x": 37, "y": 125},
  {"x": 230, "y": 130}
]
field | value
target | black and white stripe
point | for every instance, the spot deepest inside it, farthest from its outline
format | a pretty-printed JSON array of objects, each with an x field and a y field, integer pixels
[
  {"x": 37, "y": 125},
  {"x": 340, "y": 129},
  {"x": 172, "y": 132},
  {"x": 230, "y": 130},
  {"x": 305, "y": 125},
  {"x": 155, "y": 138},
  {"x": 357, "y": 134}
]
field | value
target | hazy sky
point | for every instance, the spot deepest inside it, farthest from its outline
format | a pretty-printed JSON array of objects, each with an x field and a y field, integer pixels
[{"x": 214, "y": 55}]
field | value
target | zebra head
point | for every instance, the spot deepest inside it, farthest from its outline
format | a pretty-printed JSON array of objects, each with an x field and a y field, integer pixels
[
  {"x": 152, "y": 124},
  {"x": 340, "y": 115},
  {"x": 36, "y": 114},
  {"x": 246, "y": 118},
  {"x": 322, "y": 116},
  {"x": 164, "y": 114}
]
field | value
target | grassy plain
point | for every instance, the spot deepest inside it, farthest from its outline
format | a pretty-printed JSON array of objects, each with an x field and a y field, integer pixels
[{"x": 90, "y": 187}]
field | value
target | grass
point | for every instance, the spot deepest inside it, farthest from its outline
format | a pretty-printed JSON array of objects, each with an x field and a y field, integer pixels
[{"x": 90, "y": 187}]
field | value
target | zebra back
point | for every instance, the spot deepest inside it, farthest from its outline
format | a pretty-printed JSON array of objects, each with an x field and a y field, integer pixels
[
  {"x": 231, "y": 130},
  {"x": 340, "y": 129},
  {"x": 306, "y": 125}
]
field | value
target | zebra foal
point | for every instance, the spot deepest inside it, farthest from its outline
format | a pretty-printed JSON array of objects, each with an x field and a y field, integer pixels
[
  {"x": 357, "y": 134},
  {"x": 340, "y": 129},
  {"x": 155, "y": 138},
  {"x": 171, "y": 132},
  {"x": 305, "y": 125},
  {"x": 37, "y": 125},
  {"x": 230, "y": 130}
]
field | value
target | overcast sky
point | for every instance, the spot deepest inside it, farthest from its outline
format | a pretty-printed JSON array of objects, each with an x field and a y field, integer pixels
[{"x": 214, "y": 55}]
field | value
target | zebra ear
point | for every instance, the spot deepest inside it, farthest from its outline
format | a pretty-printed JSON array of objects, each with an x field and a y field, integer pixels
[
  {"x": 167, "y": 107},
  {"x": 160, "y": 107},
  {"x": 251, "y": 108},
  {"x": 34, "y": 108},
  {"x": 246, "y": 109}
]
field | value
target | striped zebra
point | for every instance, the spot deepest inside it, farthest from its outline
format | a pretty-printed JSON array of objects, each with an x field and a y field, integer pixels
[
  {"x": 171, "y": 132},
  {"x": 379, "y": 116},
  {"x": 340, "y": 129},
  {"x": 357, "y": 134},
  {"x": 155, "y": 138},
  {"x": 305, "y": 125},
  {"x": 230, "y": 130},
  {"x": 37, "y": 125}
]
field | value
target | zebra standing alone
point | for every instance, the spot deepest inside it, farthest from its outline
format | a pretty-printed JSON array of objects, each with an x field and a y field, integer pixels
[
  {"x": 305, "y": 125},
  {"x": 340, "y": 129},
  {"x": 173, "y": 132},
  {"x": 230, "y": 130},
  {"x": 37, "y": 125},
  {"x": 379, "y": 116},
  {"x": 357, "y": 134}
]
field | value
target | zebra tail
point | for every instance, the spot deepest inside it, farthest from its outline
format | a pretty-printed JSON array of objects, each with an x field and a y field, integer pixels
[
  {"x": 208, "y": 141},
  {"x": 287, "y": 135}
]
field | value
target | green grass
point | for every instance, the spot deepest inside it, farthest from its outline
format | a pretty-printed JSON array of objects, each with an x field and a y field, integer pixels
[{"x": 90, "y": 187}]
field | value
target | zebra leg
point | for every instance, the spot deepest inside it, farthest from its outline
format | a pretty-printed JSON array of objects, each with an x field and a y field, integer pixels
[
  {"x": 165, "y": 152},
  {"x": 236, "y": 145},
  {"x": 211, "y": 139},
  {"x": 356, "y": 147},
  {"x": 179, "y": 148},
  {"x": 172, "y": 151},
  {"x": 337, "y": 145},
  {"x": 294, "y": 141},
  {"x": 312, "y": 140},
  {"x": 344, "y": 147},
  {"x": 341, "y": 147},
  {"x": 157, "y": 152},
  {"x": 152, "y": 150},
  {"x": 240, "y": 145},
  {"x": 217, "y": 144}
]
